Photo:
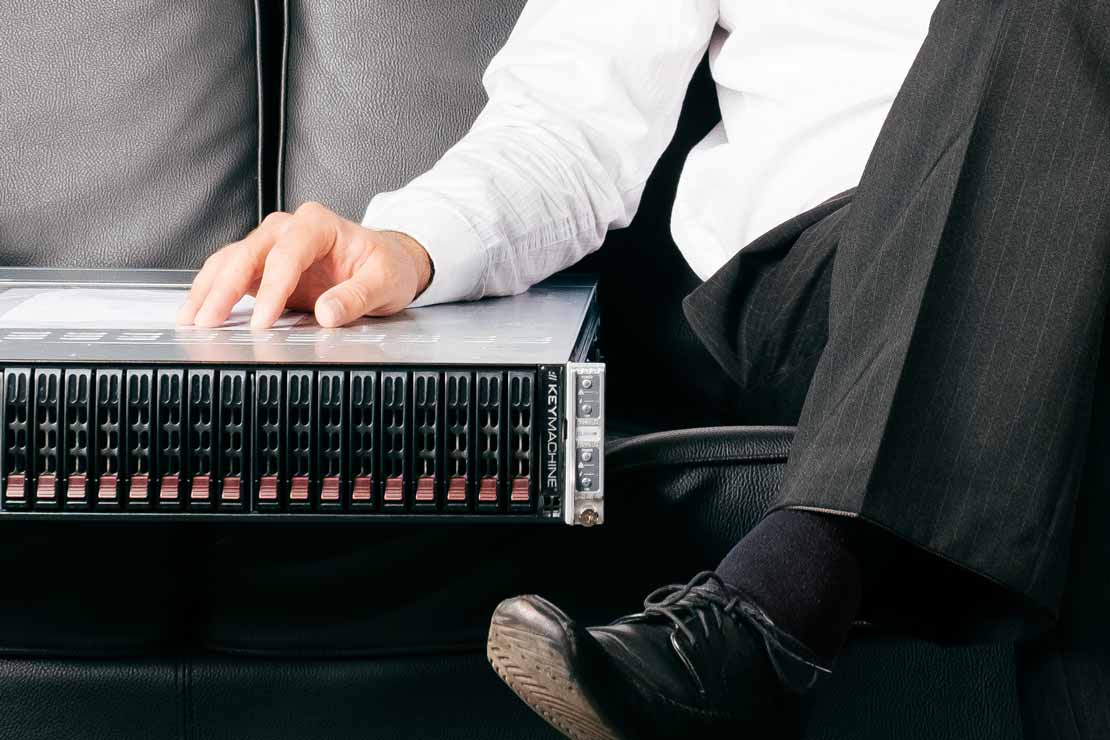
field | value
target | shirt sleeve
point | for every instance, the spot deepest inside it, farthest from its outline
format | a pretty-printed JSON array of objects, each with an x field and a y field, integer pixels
[{"x": 583, "y": 99}]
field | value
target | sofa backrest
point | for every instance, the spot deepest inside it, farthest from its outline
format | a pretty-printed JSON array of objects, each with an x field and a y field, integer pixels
[
  {"x": 377, "y": 90},
  {"x": 128, "y": 130}
]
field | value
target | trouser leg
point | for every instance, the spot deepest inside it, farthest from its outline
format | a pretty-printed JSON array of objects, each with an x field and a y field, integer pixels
[
  {"x": 1064, "y": 676},
  {"x": 951, "y": 402}
]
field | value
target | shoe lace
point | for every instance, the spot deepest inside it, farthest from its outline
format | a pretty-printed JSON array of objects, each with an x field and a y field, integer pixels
[
  {"x": 678, "y": 603},
  {"x": 795, "y": 666}
]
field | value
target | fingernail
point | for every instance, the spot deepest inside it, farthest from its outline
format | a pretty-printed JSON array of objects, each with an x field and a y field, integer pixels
[
  {"x": 185, "y": 315},
  {"x": 258, "y": 320},
  {"x": 328, "y": 312}
]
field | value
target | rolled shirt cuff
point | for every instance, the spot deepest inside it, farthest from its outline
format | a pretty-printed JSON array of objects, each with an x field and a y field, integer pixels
[{"x": 451, "y": 241}]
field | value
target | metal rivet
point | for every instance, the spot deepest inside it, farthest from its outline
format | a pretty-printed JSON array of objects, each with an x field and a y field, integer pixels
[{"x": 588, "y": 517}]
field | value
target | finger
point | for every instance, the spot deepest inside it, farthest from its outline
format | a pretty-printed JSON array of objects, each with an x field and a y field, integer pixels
[
  {"x": 202, "y": 283},
  {"x": 213, "y": 268},
  {"x": 236, "y": 275},
  {"x": 309, "y": 236},
  {"x": 364, "y": 293}
]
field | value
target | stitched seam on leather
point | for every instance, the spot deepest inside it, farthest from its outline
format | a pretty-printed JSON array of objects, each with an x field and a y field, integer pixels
[
  {"x": 191, "y": 705},
  {"x": 778, "y": 457},
  {"x": 1069, "y": 697},
  {"x": 259, "y": 139},
  {"x": 283, "y": 95},
  {"x": 375, "y": 652},
  {"x": 179, "y": 695}
]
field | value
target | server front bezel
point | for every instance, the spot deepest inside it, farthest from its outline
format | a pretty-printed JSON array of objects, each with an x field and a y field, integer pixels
[{"x": 208, "y": 502}]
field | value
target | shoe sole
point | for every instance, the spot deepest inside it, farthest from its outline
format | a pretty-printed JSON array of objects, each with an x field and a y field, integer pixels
[{"x": 537, "y": 669}]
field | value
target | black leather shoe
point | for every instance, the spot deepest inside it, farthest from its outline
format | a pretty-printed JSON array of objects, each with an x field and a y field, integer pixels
[{"x": 700, "y": 661}]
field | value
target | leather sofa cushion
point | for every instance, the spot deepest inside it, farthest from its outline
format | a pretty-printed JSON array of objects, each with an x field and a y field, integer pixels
[
  {"x": 905, "y": 690},
  {"x": 129, "y": 133},
  {"x": 93, "y": 699},
  {"x": 92, "y": 589},
  {"x": 676, "y": 503},
  {"x": 377, "y": 90}
]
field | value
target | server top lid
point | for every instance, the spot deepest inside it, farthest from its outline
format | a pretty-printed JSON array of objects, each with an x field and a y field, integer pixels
[{"x": 127, "y": 317}]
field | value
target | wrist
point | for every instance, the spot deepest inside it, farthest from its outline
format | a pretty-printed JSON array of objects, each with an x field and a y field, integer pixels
[{"x": 425, "y": 270}]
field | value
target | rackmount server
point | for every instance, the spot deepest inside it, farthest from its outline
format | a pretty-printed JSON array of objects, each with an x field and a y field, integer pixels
[{"x": 489, "y": 410}]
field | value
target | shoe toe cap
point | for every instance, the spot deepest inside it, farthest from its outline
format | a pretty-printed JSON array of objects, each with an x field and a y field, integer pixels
[{"x": 533, "y": 614}]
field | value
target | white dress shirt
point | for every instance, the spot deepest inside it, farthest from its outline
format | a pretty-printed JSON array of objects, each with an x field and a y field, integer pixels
[{"x": 585, "y": 96}]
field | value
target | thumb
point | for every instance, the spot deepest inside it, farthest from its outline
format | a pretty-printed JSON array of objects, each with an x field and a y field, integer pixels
[
  {"x": 349, "y": 300},
  {"x": 363, "y": 293}
]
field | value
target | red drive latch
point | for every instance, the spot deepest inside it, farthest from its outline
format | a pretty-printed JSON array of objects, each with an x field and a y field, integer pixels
[
  {"x": 394, "y": 491},
  {"x": 201, "y": 490},
  {"x": 456, "y": 490},
  {"x": 329, "y": 490},
  {"x": 298, "y": 489},
  {"x": 362, "y": 491},
  {"x": 168, "y": 491},
  {"x": 45, "y": 491},
  {"x": 231, "y": 491},
  {"x": 520, "y": 490},
  {"x": 425, "y": 490},
  {"x": 268, "y": 489},
  {"x": 17, "y": 488},
  {"x": 75, "y": 488},
  {"x": 140, "y": 488},
  {"x": 109, "y": 488},
  {"x": 487, "y": 490}
]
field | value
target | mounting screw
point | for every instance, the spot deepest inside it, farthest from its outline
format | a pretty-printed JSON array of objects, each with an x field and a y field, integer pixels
[
  {"x": 588, "y": 517},
  {"x": 587, "y": 383}
]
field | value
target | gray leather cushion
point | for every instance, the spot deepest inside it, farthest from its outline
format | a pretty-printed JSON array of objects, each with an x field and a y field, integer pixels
[
  {"x": 128, "y": 132},
  {"x": 377, "y": 90}
]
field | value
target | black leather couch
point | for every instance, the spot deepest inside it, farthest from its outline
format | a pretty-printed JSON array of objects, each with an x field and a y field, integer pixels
[{"x": 146, "y": 134}]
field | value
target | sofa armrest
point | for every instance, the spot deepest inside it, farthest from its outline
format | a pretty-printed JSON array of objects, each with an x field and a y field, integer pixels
[{"x": 695, "y": 490}]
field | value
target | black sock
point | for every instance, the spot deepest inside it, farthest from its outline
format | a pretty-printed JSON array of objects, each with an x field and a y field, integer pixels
[{"x": 804, "y": 570}]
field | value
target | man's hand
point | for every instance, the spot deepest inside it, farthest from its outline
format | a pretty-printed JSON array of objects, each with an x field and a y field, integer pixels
[{"x": 311, "y": 260}]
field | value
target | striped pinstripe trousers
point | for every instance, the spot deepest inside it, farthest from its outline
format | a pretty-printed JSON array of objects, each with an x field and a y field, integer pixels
[{"x": 938, "y": 330}]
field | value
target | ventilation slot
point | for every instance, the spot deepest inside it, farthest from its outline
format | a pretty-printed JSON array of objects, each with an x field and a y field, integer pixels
[
  {"x": 425, "y": 434},
  {"x": 299, "y": 404},
  {"x": 459, "y": 417},
  {"x": 267, "y": 435},
  {"x": 170, "y": 418},
  {"x": 363, "y": 423},
  {"x": 48, "y": 449},
  {"x": 110, "y": 435},
  {"x": 232, "y": 458},
  {"x": 394, "y": 462},
  {"x": 78, "y": 437},
  {"x": 140, "y": 456},
  {"x": 521, "y": 395},
  {"x": 329, "y": 390},
  {"x": 489, "y": 440},
  {"x": 18, "y": 453},
  {"x": 200, "y": 425}
]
